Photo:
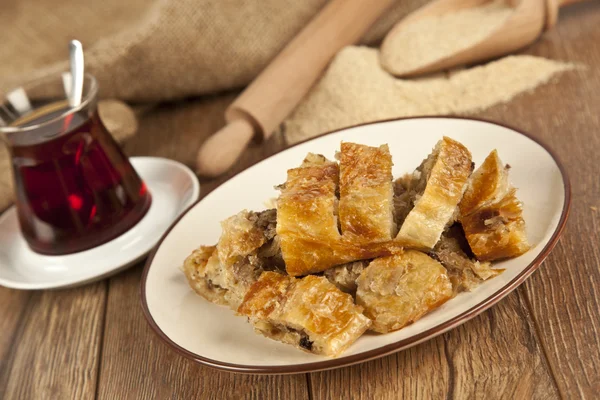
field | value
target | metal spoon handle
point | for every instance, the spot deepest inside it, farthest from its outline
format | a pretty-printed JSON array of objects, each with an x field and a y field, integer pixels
[{"x": 76, "y": 60}]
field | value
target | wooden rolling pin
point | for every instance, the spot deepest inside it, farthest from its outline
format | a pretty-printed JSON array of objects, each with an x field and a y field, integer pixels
[{"x": 259, "y": 110}]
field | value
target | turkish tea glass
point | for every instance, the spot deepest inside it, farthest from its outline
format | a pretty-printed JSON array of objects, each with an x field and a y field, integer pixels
[{"x": 74, "y": 187}]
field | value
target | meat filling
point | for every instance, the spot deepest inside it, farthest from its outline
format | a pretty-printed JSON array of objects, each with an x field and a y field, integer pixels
[
  {"x": 453, "y": 252},
  {"x": 268, "y": 257},
  {"x": 409, "y": 188},
  {"x": 344, "y": 276},
  {"x": 286, "y": 334}
]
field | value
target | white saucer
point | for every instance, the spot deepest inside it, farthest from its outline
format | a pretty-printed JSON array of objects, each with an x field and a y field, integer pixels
[{"x": 173, "y": 187}]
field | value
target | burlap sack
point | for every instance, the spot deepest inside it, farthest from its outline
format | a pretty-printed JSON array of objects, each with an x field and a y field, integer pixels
[
  {"x": 161, "y": 50},
  {"x": 142, "y": 51}
]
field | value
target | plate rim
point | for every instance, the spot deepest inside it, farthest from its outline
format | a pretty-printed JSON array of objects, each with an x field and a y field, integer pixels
[
  {"x": 392, "y": 347},
  {"x": 107, "y": 272}
]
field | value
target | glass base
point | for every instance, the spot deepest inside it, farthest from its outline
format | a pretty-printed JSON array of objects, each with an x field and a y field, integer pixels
[{"x": 94, "y": 239}]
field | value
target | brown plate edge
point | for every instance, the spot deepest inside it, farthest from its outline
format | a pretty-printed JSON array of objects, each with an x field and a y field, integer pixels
[{"x": 390, "y": 348}]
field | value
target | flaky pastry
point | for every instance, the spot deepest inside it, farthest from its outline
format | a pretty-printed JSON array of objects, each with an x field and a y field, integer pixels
[
  {"x": 223, "y": 273},
  {"x": 200, "y": 275},
  {"x": 491, "y": 214},
  {"x": 309, "y": 313},
  {"x": 366, "y": 208},
  {"x": 307, "y": 222},
  {"x": 398, "y": 290},
  {"x": 438, "y": 185}
]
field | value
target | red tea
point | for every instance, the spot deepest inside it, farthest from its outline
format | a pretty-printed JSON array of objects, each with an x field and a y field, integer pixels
[{"x": 75, "y": 189}]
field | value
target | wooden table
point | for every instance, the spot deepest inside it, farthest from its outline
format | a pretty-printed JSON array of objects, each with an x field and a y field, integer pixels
[{"x": 542, "y": 341}]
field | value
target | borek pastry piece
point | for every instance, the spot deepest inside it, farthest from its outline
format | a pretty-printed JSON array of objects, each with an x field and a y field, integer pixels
[
  {"x": 200, "y": 275},
  {"x": 309, "y": 313},
  {"x": 435, "y": 190},
  {"x": 366, "y": 193},
  {"x": 398, "y": 290},
  {"x": 307, "y": 223},
  {"x": 307, "y": 215},
  {"x": 491, "y": 215},
  {"x": 223, "y": 273}
]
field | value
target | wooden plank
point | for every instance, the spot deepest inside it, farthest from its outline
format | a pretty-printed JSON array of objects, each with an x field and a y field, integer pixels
[
  {"x": 508, "y": 362},
  {"x": 405, "y": 375},
  {"x": 137, "y": 363},
  {"x": 565, "y": 294},
  {"x": 56, "y": 353},
  {"x": 495, "y": 355},
  {"x": 13, "y": 304}
]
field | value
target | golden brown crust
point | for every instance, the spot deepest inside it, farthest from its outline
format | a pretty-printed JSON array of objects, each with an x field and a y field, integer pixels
[
  {"x": 307, "y": 222},
  {"x": 491, "y": 214},
  {"x": 398, "y": 290},
  {"x": 488, "y": 184},
  {"x": 366, "y": 193},
  {"x": 450, "y": 168},
  {"x": 310, "y": 313},
  {"x": 306, "y": 215},
  {"x": 497, "y": 231},
  {"x": 265, "y": 295},
  {"x": 320, "y": 256},
  {"x": 239, "y": 237}
]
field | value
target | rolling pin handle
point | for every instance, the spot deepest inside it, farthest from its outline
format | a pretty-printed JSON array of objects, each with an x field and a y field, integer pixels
[{"x": 223, "y": 148}]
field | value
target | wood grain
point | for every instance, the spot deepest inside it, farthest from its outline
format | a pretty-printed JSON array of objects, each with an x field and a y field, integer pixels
[
  {"x": 13, "y": 304},
  {"x": 496, "y": 355},
  {"x": 564, "y": 295},
  {"x": 420, "y": 372},
  {"x": 135, "y": 361},
  {"x": 56, "y": 353}
]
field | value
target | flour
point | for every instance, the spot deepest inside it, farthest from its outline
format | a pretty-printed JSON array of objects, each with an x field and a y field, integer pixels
[
  {"x": 355, "y": 89},
  {"x": 431, "y": 39}
]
